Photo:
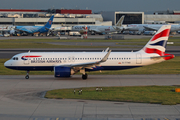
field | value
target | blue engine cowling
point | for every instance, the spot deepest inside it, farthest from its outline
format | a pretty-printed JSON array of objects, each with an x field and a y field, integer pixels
[{"x": 62, "y": 71}]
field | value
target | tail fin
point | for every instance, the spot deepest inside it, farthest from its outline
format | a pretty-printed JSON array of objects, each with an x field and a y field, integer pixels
[
  {"x": 157, "y": 43},
  {"x": 49, "y": 23},
  {"x": 119, "y": 23}
]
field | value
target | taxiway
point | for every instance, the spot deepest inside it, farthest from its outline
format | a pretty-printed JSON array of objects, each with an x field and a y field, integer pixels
[{"x": 22, "y": 99}]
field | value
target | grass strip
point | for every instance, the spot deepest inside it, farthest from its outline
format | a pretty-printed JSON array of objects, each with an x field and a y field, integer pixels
[
  {"x": 43, "y": 43},
  {"x": 164, "y": 95}
]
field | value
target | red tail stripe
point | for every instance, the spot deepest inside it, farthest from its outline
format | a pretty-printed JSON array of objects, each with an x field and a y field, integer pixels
[
  {"x": 171, "y": 56},
  {"x": 164, "y": 33},
  {"x": 152, "y": 50},
  {"x": 30, "y": 56}
]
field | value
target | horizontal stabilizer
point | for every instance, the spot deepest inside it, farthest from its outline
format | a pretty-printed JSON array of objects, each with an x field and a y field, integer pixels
[{"x": 166, "y": 57}]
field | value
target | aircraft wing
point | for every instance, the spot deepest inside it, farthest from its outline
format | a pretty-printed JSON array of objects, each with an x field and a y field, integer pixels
[
  {"x": 87, "y": 64},
  {"x": 95, "y": 30},
  {"x": 150, "y": 28}
]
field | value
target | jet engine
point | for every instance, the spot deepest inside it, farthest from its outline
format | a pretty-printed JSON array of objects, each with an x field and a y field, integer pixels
[{"x": 60, "y": 71}]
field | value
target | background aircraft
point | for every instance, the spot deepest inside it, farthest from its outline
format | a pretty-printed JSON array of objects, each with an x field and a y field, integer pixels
[
  {"x": 36, "y": 29},
  {"x": 100, "y": 29},
  {"x": 149, "y": 27},
  {"x": 65, "y": 64}
]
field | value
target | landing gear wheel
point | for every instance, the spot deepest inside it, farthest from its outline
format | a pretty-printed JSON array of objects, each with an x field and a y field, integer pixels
[
  {"x": 84, "y": 77},
  {"x": 27, "y": 77}
]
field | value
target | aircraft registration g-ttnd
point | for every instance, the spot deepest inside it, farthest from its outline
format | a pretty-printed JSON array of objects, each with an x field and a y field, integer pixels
[{"x": 65, "y": 64}]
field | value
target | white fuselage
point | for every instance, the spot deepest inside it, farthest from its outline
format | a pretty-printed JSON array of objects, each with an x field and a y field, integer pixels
[
  {"x": 98, "y": 29},
  {"x": 47, "y": 60},
  {"x": 140, "y": 27}
]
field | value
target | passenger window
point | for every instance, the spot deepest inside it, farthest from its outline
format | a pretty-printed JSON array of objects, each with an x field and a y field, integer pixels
[{"x": 16, "y": 58}]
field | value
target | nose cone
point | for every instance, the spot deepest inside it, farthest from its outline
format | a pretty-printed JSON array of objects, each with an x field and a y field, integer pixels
[{"x": 7, "y": 63}]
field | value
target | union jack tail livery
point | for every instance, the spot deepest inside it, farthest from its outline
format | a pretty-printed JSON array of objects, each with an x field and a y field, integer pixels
[{"x": 157, "y": 43}]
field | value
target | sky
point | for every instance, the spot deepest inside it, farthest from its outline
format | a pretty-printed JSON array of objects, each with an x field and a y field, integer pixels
[{"x": 94, "y": 5}]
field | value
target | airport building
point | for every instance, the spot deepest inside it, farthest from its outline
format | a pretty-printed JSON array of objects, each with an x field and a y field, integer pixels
[
  {"x": 40, "y": 17},
  {"x": 64, "y": 17},
  {"x": 130, "y": 17},
  {"x": 158, "y": 17}
]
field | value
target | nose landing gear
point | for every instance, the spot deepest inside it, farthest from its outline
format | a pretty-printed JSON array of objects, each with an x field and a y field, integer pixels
[{"x": 27, "y": 75}]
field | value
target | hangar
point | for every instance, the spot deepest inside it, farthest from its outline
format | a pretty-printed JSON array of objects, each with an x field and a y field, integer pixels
[{"x": 130, "y": 17}]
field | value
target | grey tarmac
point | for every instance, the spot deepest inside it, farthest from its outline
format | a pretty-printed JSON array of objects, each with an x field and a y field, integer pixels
[{"x": 22, "y": 99}]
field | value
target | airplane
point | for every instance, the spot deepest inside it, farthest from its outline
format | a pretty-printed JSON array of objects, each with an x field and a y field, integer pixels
[
  {"x": 65, "y": 64},
  {"x": 101, "y": 29},
  {"x": 36, "y": 29},
  {"x": 149, "y": 27}
]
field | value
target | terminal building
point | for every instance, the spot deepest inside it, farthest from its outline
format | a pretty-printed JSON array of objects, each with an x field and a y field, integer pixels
[
  {"x": 40, "y": 17},
  {"x": 159, "y": 17},
  {"x": 71, "y": 17}
]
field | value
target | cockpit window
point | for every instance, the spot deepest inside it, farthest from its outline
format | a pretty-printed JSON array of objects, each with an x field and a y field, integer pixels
[{"x": 15, "y": 58}]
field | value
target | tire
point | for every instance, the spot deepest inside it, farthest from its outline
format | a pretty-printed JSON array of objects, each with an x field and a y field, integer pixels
[
  {"x": 84, "y": 77},
  {"x": 27, "y": 76}
]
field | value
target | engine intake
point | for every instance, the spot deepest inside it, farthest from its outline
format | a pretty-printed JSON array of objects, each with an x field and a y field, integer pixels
[{"x": 60, "y": 71}]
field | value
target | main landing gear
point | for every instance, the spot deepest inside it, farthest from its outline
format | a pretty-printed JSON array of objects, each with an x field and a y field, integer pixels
[
  {"x": 84, "y": 76},
  {"x": 27, "y": 75}
]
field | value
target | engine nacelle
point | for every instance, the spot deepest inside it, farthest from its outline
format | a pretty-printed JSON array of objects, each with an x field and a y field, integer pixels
[{"x": 60, "y": 71}]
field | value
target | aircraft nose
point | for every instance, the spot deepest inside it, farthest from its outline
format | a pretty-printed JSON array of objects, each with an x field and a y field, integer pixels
[{"x": 7, "y": 63}]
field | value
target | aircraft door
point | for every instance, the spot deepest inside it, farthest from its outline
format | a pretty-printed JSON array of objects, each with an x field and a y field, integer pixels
[
  {"x": 71, "y": 59},
  {"x": 138, "y": 58}
]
